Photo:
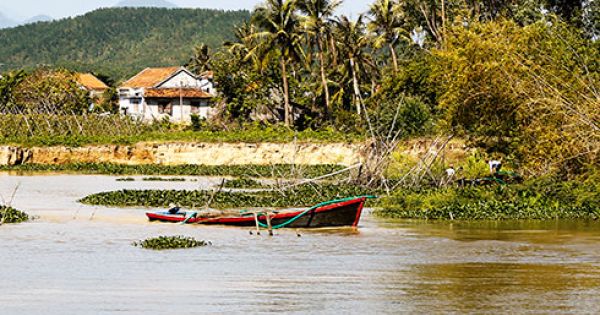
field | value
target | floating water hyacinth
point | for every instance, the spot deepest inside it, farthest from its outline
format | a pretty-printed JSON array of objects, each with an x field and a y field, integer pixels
[
  {"x": 163, "y": 179},
  {"x": 244, "y": 182},
  {"x": 12, "y": 215},
  {"x": 263, "y": 171},
  {"x": 296, "y": 197},
  {"x": 171, "y": 242},
  {"x": 126, "y": 179}
]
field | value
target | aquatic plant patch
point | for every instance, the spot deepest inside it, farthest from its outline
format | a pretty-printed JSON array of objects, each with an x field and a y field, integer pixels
[
  {"x": 163, "y": 179},
  {"x": 264, "y": 171},
  {"x": 303, "y": 196},
  {"x": 170, "y": 242},
  {"x": 126, "y": 179},
  {"x": 539, "y": 199},
  {"x": 11, "y": 215},
  {"x": 244, "y": 183}
]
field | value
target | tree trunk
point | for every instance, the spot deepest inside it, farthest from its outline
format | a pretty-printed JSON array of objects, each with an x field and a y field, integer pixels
[
  {"x": 356, "y": 87},
  {"x": 333, "y": 51},
  {"x": 286, "y": 95},
  {"x": 324, "y": 77},
  {"x": 443, "y": 19},
  {"x": 394, "y": 57}
]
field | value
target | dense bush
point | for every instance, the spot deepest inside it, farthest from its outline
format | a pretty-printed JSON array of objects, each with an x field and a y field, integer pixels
[{"x": 544, "y": 198}]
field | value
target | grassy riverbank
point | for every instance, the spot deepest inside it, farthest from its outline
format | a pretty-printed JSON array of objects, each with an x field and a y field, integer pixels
[
  {"x": 540, "y": 199},
  {"x": 264, "y": 171},
  {"x": 106, "y": 131}
]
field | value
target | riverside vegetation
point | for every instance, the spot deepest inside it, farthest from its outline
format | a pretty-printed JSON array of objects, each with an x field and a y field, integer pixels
[
  {"x": 265, "y": 171},
  {"x": 516, "y": 80}
]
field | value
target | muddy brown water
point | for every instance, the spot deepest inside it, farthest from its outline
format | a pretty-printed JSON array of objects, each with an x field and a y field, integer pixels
[{"x": 77, "y": 259}]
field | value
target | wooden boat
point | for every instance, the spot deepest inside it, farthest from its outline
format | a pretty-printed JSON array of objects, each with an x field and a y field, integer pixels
[{"x": 335, "y": 213}]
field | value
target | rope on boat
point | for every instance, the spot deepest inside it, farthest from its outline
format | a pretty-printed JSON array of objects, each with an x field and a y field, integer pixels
[
  {"x": 300, "y": 215},
  {"x": 189, "y": 217}
]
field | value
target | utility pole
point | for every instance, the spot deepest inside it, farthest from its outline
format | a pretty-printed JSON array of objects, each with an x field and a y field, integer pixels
[{"x": 181, "y": 99}]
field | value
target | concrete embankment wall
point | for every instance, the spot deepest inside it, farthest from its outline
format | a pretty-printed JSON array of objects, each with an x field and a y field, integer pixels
[{"x": 188, "y": 153}]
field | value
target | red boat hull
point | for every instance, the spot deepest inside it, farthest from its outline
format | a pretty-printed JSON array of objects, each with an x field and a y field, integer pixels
[{"x": 346, "y": 213}]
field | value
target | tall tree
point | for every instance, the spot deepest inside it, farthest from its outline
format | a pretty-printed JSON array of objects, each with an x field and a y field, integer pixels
[
  {"x": 8, "y": 83},
  {"x": 353, "y": 40},
  {"x": 200, "y": 61},
  {"x": 317, "y": 24},
  {"x": 280, "y": 29},
  {"x": 248, "y": 47},
  {"x": 387, "y": 26}
]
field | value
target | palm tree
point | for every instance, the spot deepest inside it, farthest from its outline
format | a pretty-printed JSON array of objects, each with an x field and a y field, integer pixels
[
  {"x": 317, "y": 24},
  {"x": 200, "y": 61},
  {"x": 248, "y": 47},
  {"x": 353, "y": 41},
  {"x": 387, "y": 26},
  {"x": 280, "y": 29}
]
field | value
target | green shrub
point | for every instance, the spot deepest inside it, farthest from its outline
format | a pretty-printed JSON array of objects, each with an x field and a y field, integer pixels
[
  {"x": 542, "y": 198},
  {"x": 197, "y": 122}
]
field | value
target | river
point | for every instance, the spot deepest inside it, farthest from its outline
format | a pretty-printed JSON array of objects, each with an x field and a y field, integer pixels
[{"x": 76, "y": 259}]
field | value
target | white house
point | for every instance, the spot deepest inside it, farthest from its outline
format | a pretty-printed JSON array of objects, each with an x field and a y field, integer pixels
[{"x": 172, "y": 92}]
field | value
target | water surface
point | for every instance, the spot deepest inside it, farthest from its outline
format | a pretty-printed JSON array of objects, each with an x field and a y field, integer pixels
[{"x": 77, "y": 259}]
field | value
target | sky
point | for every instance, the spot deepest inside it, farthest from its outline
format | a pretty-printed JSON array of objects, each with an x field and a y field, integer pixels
[{"x": 23, "y": 9}]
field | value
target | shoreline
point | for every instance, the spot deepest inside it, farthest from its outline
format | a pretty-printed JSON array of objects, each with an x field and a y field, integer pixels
[{"x": 188, "y": 153}]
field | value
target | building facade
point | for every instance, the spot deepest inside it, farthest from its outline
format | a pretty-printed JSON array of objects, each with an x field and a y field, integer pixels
[{"x": 173, "y": 93}]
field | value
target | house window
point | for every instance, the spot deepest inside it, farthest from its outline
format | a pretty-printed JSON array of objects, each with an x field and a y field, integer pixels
[
  {"x": 165, "y": 107},
  {"x": 135, "y": 104},
  {"x": 195, "y": 105}
]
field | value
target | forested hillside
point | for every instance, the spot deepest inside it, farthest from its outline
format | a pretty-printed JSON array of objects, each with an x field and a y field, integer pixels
[{"x": 117, "y": 42}]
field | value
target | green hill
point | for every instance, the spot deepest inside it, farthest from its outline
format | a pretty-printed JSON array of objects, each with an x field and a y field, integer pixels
[{"x": 117, "y": 42}]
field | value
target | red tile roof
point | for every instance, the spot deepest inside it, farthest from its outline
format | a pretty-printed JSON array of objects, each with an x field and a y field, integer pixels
[
  {"x": 150, "y": 77},
  {"x": 90, "y": 82}
]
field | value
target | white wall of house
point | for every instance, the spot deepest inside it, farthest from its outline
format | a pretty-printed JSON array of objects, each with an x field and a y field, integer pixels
[
  {"x": 182, "y": 79},
  {"x": 150, "y": 109}
]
